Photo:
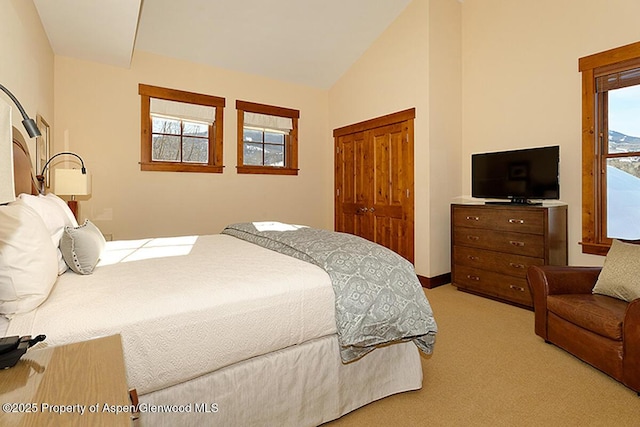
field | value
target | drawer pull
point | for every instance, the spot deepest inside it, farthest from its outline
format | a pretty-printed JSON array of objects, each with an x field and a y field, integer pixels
[
  {"x": 514, "y": 265},
  {"x": 516, "y": 288},
  {"x": 473, "y": 258},
  {"x": 516, "y": 221},
  {"x": 516, "y": 243},
  {"x": 473, "y": 218},
  {"x": 474, "y": 238},
  {"x": 470, "y": 277}
]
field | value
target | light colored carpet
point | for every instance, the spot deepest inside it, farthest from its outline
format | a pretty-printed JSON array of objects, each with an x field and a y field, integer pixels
[{"x": 490, "y": 369}]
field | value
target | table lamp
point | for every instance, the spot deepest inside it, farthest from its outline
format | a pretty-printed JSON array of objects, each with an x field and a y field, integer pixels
[{"x": 72, "y": 182}]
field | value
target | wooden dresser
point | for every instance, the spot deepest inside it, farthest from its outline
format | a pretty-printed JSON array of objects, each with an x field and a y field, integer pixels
[{"x": 492, "y": 246}]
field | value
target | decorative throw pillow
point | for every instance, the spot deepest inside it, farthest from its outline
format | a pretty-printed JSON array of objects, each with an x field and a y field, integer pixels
[
  {"x": 56, "y": 215},
  {"x": 82, "y": 247},
  {"x": 620, "y": 275},
  {"x": 28, "y": 261}
]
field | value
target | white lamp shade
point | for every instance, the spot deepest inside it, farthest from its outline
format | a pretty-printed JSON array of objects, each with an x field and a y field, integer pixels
[
  {"x": 7, "y": 188},
  {"x": 71, "y": 182}
]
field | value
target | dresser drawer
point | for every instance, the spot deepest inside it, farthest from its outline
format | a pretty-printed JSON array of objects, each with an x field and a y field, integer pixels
[
  {"x": 514, "y": 243},
  {"x": 513, "y": 265},
  {"x": 524, "y": 220},
  {"x": 494, "y": 284}
]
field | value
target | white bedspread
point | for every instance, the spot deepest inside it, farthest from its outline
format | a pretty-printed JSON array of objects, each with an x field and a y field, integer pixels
[{"x": 187, "y": 306}]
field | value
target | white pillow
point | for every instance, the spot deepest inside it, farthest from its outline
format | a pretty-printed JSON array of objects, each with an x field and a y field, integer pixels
[
  {"x": 620, "y": 275},
  {"x": 28, "y": 261},
  {"x": 56, "y": 215},
  {"x": 82, "y": 247}
]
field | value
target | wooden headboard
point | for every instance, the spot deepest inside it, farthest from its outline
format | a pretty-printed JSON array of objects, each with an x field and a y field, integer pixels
[{"x": 25, "y": 180}]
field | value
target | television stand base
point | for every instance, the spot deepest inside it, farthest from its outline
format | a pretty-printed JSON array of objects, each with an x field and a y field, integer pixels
[{"x": 516, "y": 201}]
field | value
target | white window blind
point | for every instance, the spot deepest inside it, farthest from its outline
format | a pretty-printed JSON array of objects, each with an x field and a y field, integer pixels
[
  {"x": 267, "y": 121},
  {"x": 198, "y": 113}
]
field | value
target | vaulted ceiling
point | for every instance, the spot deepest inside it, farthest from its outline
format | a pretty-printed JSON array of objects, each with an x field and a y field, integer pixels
[{"x": 311, "y": 42}]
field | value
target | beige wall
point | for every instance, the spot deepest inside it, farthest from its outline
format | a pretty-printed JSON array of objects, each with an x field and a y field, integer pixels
[
  {"x": 445, "y": 127},
  {"x": 97, "y": 115},
  {"x": 415, "y": 63},
  {"x": 26, "y": 68},
  {"x": 483, "y": 75},
  {"x": 521, "y": 85}
]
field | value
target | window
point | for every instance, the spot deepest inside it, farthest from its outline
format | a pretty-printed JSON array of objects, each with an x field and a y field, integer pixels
[
  {"x": 267, "y": 139},
  {"x": 610, "y": 147},
  {"x": 180, "y": 131}
]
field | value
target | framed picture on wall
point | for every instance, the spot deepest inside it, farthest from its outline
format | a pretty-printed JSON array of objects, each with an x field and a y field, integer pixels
[{"x": 43, "y": 147}]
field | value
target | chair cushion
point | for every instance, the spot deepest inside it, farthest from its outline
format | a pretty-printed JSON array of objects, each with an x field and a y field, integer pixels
[{"x": 597, "y": 313}]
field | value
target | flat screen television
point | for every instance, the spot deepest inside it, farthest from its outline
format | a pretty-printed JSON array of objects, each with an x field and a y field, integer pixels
[{"x": 518, "y": 176}]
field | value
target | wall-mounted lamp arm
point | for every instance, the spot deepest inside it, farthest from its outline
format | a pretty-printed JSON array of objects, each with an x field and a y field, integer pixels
[
  {"x": 40, "y": 177},
  {"x": 44, "y": 168},
  {"x": 28, "y": 123}
]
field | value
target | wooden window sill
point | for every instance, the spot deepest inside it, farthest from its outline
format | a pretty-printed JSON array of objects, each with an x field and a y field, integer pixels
[
  {"x": 266, "y": 170},
  {"x": 595, "y": 248},
  {"x": 179, "y": 167}
]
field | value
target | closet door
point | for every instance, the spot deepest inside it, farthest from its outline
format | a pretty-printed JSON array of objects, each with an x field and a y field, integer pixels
[
  {"x": 374, "y": 182},
  {"x": 391, "y": 205},
  {"x": 352, "y": 198}
]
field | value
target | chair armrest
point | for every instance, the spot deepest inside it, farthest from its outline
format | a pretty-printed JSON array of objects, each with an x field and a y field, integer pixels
[
  {"x": 631, "y": 339},
  {"x": 554, "y": 280}
]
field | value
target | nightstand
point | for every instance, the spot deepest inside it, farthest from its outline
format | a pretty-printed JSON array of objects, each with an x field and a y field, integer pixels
[{"x": 81, "y": 384}]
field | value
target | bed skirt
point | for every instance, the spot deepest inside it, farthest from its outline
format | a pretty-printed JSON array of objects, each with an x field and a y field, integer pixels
[{"x": 303, "y": 385}]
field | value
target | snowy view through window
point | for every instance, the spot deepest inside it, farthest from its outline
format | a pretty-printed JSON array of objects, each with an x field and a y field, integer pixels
[{"x": 623, "y": 173}]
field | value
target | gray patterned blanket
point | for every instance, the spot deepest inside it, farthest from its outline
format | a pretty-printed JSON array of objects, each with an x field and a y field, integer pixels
[{"x": 379, "y": 299}]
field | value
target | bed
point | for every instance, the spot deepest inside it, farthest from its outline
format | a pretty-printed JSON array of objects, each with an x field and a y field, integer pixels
[{"x": 230, "y": 323}]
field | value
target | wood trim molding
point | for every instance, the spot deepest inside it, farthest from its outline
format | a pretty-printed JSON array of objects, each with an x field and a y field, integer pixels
[
  {"x": 179, "y": 167},
  {"x": 389, "y": 119},
  {"x": 593, "y": 240},
  {"x": 266, "y": 170},
  {"x": 434, "y": 282},
  {"x": 270, "y": 110},
  {"x": 291, "y": 143},
  {"x": 595, "y": 248},
  {"x": 180, "y": 95},
  {"x": 216, "y": 135},
  {"x": 589, "y": 184},
  {"x": 608, "y": 57}
]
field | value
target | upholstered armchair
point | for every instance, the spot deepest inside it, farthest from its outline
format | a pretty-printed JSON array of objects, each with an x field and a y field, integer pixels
[{"x": 601, "y": 330}]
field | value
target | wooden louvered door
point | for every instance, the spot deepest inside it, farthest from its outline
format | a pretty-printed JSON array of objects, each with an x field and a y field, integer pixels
[{"x": 374, "y": 182}]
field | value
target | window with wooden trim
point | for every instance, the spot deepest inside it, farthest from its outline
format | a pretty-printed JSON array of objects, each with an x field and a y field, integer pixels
[
  {"x": 267, "y": 139},
  {"x": 180, "y": 131},
  {"x": 610, "y": 147}
]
